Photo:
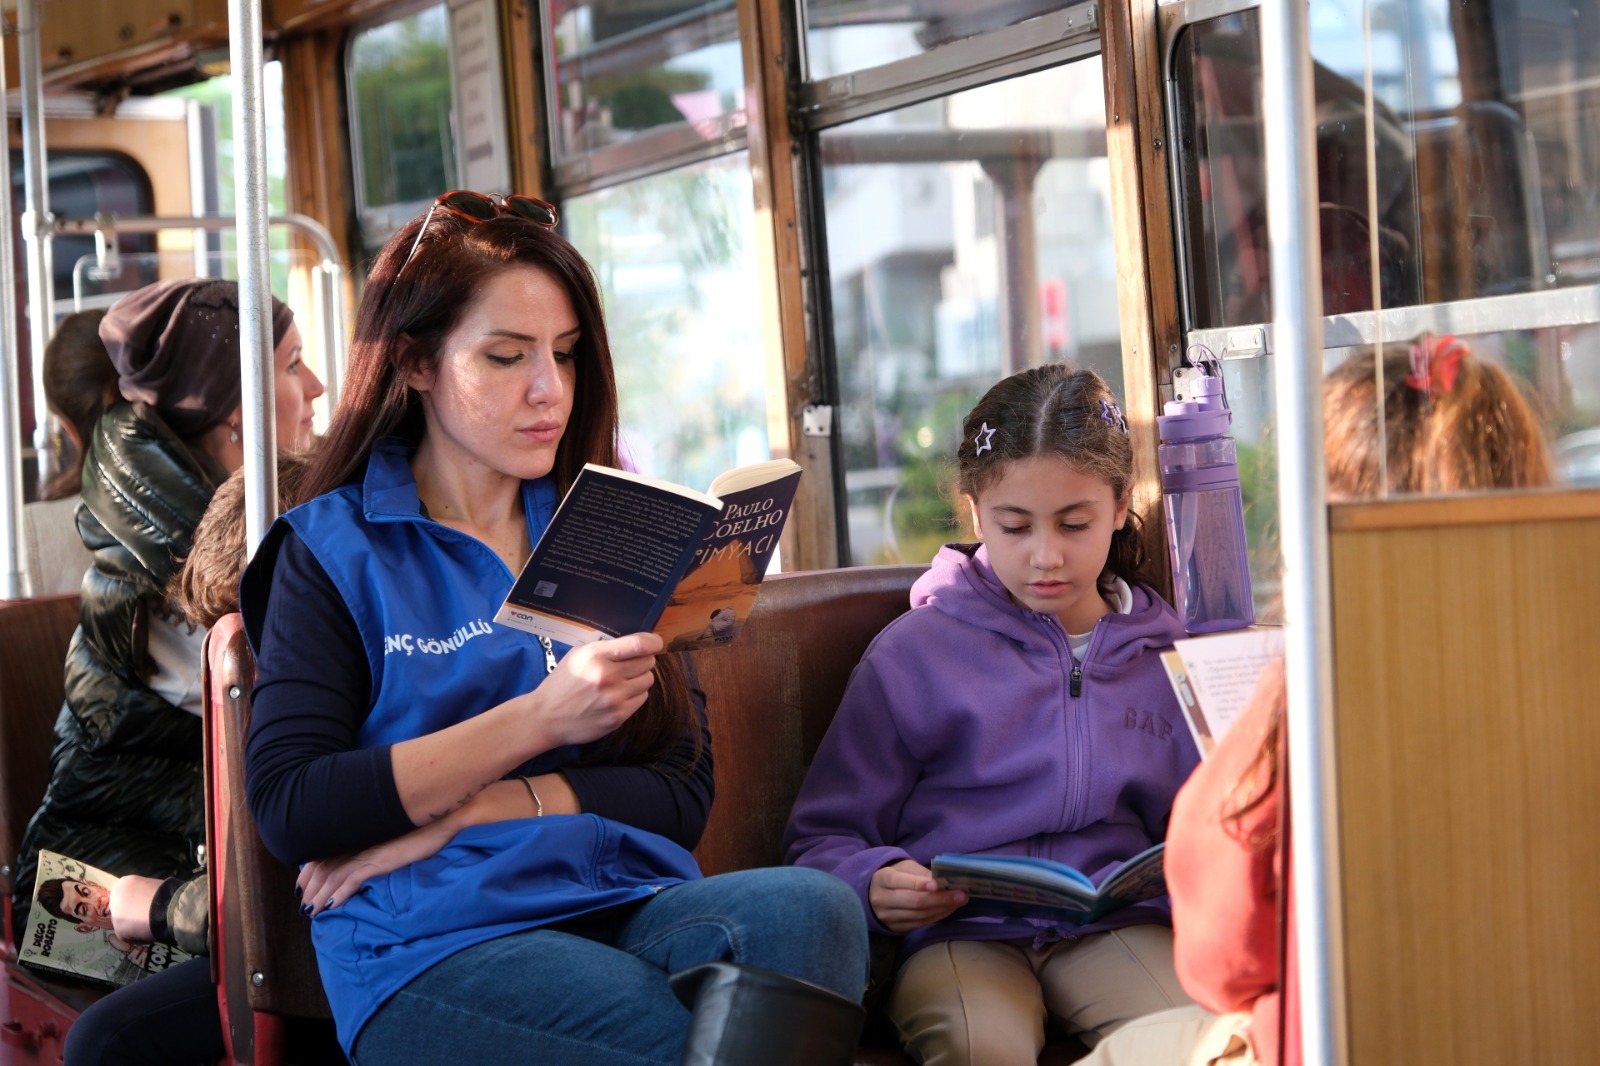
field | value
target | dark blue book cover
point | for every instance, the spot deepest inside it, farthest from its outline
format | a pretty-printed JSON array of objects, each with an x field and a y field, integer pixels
[
  {"x": 626, "y": 553},
  {"x": 610, "y": 558}
]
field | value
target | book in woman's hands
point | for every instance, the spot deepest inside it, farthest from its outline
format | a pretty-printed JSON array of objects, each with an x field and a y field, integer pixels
[
  {"x": 1014, "y": 885},
  {"x": 69, "y": 928},
  {"x": 626, "y": 553}
]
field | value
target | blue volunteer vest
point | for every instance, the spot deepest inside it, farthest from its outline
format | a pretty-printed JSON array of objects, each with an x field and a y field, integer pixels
[{"x": 422, "y": 595}]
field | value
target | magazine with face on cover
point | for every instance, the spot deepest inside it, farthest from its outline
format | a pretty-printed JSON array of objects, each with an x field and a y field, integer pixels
[
  {"x": 69, "y": 928},
  {"x": 626, "y": 553}
]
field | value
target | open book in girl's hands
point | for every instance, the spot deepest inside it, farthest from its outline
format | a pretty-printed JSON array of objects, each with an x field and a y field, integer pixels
[{"x": 1017, "y": 886}]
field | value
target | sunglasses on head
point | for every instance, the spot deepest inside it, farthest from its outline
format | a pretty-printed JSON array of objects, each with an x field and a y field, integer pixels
[{"x": 481, "y": 207}]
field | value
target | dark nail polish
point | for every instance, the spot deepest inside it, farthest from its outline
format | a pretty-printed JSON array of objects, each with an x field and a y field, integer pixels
[
  {"x": 305, "y": 909},
  {"x": 298, "y": 891}
]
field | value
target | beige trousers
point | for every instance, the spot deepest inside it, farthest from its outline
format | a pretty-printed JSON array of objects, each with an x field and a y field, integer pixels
[
  {"x": 1187, "y": 1036},
  {"x": 984, "y": 1003}
]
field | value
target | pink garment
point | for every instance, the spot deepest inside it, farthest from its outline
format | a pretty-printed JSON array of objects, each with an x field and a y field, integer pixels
[{"x": 1225, "y": 883}]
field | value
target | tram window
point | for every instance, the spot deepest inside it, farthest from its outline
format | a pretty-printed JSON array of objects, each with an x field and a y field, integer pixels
[
  {"x": 844, "y": 36},
  {"x": 1485, "y": 179},
  {"x": 81, "y": 185},
  {"x": 216, "y": 94},
  {"x": 639, "y": 82},
  {"x": 400, "y": 118},
  {"x": 968, "y": 237},
  {"x": 675, "y": 256}
]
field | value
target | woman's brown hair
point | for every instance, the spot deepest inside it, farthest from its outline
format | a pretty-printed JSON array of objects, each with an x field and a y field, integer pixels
[
  {"x": 207, "y": 586},
  {"x": 1451, "y": 422},
  {"x": 413, "y": 299},
  {"x": 77, "y": 374}
]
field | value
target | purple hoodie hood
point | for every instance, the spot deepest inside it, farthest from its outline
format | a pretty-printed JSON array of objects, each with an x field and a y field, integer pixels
[{"x": 961, "y": 731}]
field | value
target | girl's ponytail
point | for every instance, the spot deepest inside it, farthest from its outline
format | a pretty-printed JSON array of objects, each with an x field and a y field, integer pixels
[{"x": 1128, "y": 558}]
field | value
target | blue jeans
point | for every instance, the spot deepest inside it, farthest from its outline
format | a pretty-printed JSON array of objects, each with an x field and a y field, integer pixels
[{"x": 594, "y": 991}]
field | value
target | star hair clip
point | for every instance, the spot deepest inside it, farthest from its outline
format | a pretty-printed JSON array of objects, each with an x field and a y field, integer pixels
[
  {"x": 1111, "y": 414},
  {"x": 984, "y": 440}
]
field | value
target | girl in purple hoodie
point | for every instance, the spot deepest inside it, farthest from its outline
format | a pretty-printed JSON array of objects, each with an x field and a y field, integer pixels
[{"x": 1018, "y": 709}]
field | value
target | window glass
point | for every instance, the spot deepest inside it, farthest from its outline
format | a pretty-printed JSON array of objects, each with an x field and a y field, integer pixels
[
  {"x": 400, "y": 119},
  {"x": 1487, "y": 184},
  {"x": 968, "y": 237},
  {"x": 844, "y": 36},
  {"x": 675, "y": 256},
  {"x": 222, "y": 246},
  {"x": 1486, "y": 173},
  {"x": 621, "y": 69},
  {"x": 81, "y": 184}
]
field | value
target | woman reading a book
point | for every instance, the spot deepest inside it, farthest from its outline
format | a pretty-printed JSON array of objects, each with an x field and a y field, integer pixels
[
  {"x": 1018, "y": 709},
  {"x": 1452, "y": 423},
  {"x": 494, "y": 829}
]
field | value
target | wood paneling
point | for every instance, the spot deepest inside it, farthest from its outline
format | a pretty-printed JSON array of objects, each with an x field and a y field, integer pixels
[
  {"x": 319, "y": 179},
  {"x": 92, "y": 41},
  {"x": 1467, "y": 662},
  {"x": 519, "y": 41},
  {"x": 1477, "y": 509},
  {"x": 1147, "y": 278},
  {"x": 810, "y": 541}
]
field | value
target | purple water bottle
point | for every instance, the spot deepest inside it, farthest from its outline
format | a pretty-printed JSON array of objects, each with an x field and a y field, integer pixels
[{"x": 1205, "y": 513}]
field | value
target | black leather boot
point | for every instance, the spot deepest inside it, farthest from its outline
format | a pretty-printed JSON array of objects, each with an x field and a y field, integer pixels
[{"x": 747, "y": 1016}]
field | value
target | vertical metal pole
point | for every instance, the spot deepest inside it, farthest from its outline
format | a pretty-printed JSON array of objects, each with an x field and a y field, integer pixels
[
  {"x": 36, "y": 218},
  {"x": 255, "y": 292},
  {"x": 1290, "y": 151},
  {"x": 331, "y": 315},
  {"x": 10, "y": 383}
]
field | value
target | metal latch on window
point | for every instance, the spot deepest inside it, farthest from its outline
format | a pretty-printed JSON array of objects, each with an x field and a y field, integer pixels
[{"x": 816, "y": 420}]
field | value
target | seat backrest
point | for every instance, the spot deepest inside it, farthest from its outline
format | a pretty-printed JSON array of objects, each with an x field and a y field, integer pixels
[
  {"x": 261, "y": 946},
  {"x": 772, "y": 691},
  {"x": 770, "y": 695},
  {"x": 35, "y": 635}
]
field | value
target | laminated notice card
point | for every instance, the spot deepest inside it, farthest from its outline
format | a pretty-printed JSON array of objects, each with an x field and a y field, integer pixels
[
  {"x": 1213, "y": 677},
  {"x": 627, "y": 553}
]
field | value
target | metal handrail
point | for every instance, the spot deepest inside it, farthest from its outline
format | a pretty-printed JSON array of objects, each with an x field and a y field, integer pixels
[
  {"x": 11, "y": 583},
  {"x": 1288, "y": 131},
  {"x": 330, "y": 307}
]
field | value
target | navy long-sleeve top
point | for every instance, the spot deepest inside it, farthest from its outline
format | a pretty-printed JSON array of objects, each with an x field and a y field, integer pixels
[{"x": 314, "y": 794}]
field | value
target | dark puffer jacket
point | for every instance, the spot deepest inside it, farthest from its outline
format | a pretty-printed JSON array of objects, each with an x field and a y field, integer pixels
[{"x": 125, "y": 788}]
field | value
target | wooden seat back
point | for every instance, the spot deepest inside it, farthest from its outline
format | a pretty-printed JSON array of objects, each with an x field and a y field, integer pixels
[
  {"x": 35, "y": 635},
  {"x": 262, "y": 960},
  {"x": 35, "y": 1011},
  {"x": 770, "y": 696},
  {"x": 771, "y": 693}
]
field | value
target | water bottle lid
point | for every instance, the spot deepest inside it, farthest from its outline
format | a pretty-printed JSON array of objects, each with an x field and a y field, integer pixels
[{"x": 1193, "y": 419}]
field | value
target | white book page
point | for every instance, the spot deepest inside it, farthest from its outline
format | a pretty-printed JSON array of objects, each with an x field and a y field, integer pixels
[
  {"x": 744, "y": 477},
  {"x": 1223, "y": 669}
]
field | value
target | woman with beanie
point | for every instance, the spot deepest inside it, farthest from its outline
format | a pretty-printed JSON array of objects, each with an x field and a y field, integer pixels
[{"x": 125, "y": 789}]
